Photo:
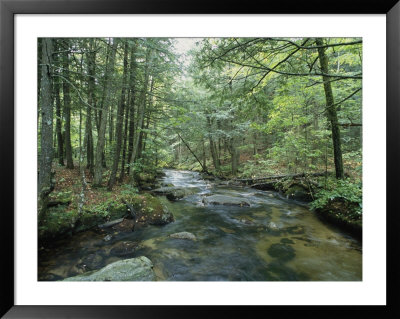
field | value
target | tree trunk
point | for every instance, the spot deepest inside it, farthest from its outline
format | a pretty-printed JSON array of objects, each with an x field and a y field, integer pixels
[
  {"x": 234, "y": 158},
  {"x": 141, "y": 111},
  {"x": 213, "y": 149},
  {"x": 132, "y": 92},
  {"x": 98, "y": 169},
  {"x": 111, "y": 125},
  {"x": 39, "y": 77},
  {"x": 67, "y": 112},
  {"x": 122, "y": 173},
  {"x": 120, "y": 113},
  {"x": 60, "y": 144},
  {"x": 142, "y": 133},
  {"x": 204, "y": 156},
  {"x": 331, "y": 111},
  {"x": 194, "y": 155},
  {"x": 46, "y": 140},
  {"x": 91, "y": 102}
]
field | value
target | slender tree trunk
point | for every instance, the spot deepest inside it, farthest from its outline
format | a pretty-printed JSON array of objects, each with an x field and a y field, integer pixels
[
  {"x": 204, "y": 156},
  {"x": 60, "y": 144},
  {"x": 213, "y": 148},
  {"x": 92, "y": 102},
  {"x": 122, "y": 173},
  {"x": 67, "y": 112},
  {"x": 141, "y": 111},
  {"x": 46, "y": 139},
  {"x": 120, "y": 113},
  {"x": 39, "y": 77},
  {"x": 143, "y": 134},
  {"x": 331, "y": 111},
  {"x": 234, "y": 156},
  {"x": 131, "y": 122},
  {"x": 143, "y": 138},
  {"x": 194, "y": 155},
  {"x": 111, "y": 125},
  {"x": 98, "y": 169}
]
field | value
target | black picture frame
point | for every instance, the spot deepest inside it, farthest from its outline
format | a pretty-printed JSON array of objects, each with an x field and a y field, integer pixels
[{"x": 8, "y": 8}]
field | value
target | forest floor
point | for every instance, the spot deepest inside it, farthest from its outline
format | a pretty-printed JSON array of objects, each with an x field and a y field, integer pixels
[{"x": 69, "y": 181}]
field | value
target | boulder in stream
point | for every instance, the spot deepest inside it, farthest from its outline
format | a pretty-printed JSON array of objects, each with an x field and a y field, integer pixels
[
  {"x": 149, "y": 210},
  {"x": 175, "y": 193},
  {"x": 225, "y": 200},
  {"x": 183, "y": 235},
  {"x": 134, "y": 269}
]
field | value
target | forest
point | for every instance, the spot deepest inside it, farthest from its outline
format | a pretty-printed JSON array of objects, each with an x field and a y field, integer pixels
[{"x": 152, "y": 152}]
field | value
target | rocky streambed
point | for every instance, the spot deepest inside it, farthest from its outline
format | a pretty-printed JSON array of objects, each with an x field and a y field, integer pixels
[{"x": 215, "y": 232}]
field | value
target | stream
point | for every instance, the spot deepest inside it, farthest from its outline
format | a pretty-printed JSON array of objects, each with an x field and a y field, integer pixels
[{"x": 273, "y": 239}]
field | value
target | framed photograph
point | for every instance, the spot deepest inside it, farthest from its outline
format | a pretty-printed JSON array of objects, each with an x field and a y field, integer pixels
[{"x": 162, "y": 155}]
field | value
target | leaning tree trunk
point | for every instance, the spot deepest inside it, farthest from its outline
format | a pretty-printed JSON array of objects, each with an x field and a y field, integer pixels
[
  {"x": 331, "y": 111},
  {"x": 67, "y": 112},
  {"x": 98, "y": 168},
  {"x": 120, "y": 113},
  {"x": 46, "y": 137}
]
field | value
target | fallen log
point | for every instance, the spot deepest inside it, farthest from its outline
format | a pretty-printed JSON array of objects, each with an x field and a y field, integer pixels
[
  {"x": 111, "y": 223},
  {"x": 276, "y": 177}
]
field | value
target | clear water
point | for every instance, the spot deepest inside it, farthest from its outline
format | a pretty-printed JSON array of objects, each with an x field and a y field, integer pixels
[{"x": 273, "y": 239}]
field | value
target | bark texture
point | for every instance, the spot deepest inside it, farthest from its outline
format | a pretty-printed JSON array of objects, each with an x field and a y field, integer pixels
[{"x": 331, "y": 111}]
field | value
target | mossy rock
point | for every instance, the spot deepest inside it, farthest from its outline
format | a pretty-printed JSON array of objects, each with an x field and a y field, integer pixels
[
  {"x": 89, "y": 219},
  {"x": 149, "y": 210},
  {"x": 134, "y": 269},
  {"x": 117, "y": 210},
  {"x": 58, "y": 222}
]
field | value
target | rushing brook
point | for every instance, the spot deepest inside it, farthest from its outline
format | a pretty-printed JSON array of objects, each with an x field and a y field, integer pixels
[{"x": 272, "y": 239}]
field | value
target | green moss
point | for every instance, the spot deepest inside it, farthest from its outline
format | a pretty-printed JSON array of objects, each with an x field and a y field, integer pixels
[
  {"x": 342, "y": 213},
  {"x": 63, "y": 197},
  {"x": 150, "y": 210},
  {"x": 117, "y": 210},
  {"x": 58, "y": 221}
]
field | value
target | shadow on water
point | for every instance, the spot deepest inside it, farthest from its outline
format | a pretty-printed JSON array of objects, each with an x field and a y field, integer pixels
[{"x": 272, "y": 239}]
